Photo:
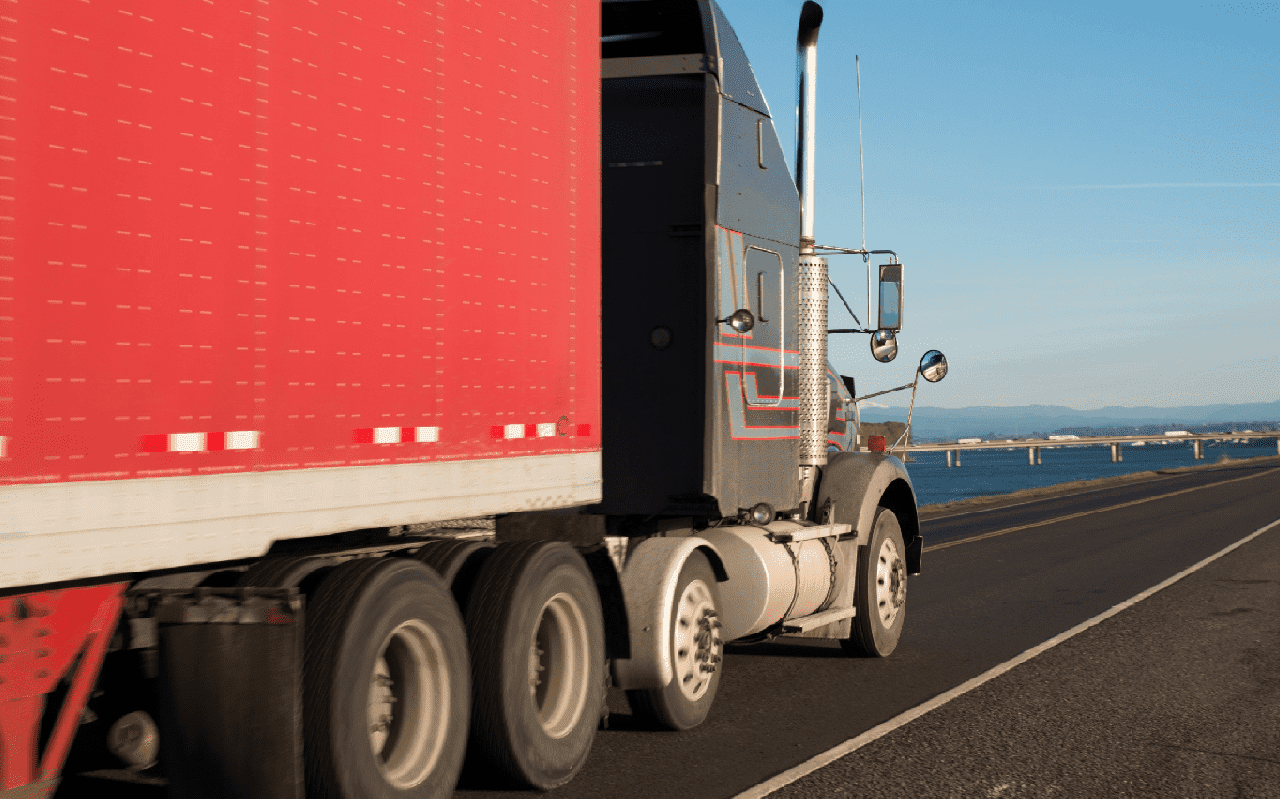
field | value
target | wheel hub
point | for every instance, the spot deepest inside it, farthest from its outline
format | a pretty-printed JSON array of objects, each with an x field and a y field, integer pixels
[
  {"x": 408, "y": 705},
  {"x": 558, "y": 665},
  {"x": 891, "y": 583},
  {"x": 698, "y": 645}
]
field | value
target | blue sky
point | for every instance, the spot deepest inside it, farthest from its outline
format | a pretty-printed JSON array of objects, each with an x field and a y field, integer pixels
[{"x": 1086, "y": 195}]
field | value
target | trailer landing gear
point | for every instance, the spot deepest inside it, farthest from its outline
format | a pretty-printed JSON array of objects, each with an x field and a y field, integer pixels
[{"x": 47, "y": 637}]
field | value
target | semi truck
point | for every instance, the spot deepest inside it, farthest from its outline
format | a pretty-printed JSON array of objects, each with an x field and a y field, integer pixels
[{"x": 297, "y": 297}]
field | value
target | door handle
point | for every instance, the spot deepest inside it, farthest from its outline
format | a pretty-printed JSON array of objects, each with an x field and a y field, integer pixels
[{"x": 760, "y": 295}]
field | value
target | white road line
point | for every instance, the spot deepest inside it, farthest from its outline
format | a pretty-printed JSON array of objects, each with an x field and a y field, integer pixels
[{"x": 853, "y": 744}]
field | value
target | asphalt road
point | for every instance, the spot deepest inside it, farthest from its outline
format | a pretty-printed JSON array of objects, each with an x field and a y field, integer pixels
[{"x": 1178, "y": 695}]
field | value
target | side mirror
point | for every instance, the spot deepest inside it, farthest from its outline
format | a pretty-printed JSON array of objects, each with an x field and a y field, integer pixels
[
  {"x": 933, "y": 366},
  {"x": 884, "y": 346},
  {"x": 741, "y": 320},
  {"x": 890, "y": 297}
]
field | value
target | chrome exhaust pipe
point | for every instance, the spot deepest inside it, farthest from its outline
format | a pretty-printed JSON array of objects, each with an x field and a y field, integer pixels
[
  {"x": 806, "y": 116},
  {"x": 814, "y": 396}
]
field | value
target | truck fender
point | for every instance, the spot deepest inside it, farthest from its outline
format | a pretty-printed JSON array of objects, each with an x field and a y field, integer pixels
[
  {"x": 648, "y": 589},
  {"x": 857, "y": 482}
]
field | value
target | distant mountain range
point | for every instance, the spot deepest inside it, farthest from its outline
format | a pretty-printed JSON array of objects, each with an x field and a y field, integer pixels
[{"x": 1022, "y": 421}]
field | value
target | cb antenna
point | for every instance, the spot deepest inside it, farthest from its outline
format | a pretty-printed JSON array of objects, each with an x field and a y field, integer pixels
[
  {"x": 862, "y": 173},
  {"x": 862, "y": 183}
]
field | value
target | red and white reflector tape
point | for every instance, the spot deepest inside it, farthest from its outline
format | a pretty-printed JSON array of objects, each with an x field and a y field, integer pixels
[
  {"x": 513, "y": 431},
  {"x": 4, "y": 446},
  {"x": 201, "y": 442},
  {"x": 541, "y": 430},
  {"x": 396, "y": 435}
]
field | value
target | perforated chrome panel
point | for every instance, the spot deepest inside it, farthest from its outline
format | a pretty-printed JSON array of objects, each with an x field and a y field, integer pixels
[{"x": 814, "y": 398}]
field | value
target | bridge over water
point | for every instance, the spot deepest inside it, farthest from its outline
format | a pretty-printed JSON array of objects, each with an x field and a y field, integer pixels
[{"x": 1034, "y": 445}]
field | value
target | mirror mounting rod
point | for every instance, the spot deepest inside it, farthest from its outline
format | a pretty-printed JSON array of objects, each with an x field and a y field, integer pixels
[{"x": 893, "y": 256}]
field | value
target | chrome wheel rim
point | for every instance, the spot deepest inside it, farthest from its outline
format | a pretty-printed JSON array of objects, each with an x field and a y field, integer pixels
[
  {"x": 697, "y": 642},
  {"x": 408, "y": 707},
  {"x": 559, "y": 665},
  {"x": 891, "y": 583}
]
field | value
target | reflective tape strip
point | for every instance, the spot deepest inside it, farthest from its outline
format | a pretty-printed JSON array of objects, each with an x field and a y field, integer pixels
[
  {"x": 242, "y": 439},
  {"x": 395, "y": 435},
  {"x": 200, "y": 442},
  {"x": 539, "y": 430},
  {"x": 188, "y": 442},
  {"x": 153, "y": 443},
  {"x": 4, "y": 446}
]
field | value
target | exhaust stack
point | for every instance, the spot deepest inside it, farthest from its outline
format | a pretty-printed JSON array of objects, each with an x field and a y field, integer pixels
[
  {"x": 806, "y": 115},
  {"x": 814, "y": 389}
]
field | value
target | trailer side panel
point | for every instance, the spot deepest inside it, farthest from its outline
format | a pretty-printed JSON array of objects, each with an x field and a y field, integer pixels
[{"x": 286, "y": 270}]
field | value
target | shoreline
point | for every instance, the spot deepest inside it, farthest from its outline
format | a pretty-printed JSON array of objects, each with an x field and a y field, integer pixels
[{"x": 991, "y": 501}]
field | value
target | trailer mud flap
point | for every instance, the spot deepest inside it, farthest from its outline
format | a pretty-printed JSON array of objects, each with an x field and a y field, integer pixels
[{"x": 231, "y": 692}]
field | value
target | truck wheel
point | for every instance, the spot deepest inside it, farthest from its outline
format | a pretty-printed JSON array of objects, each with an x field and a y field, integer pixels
[
  {"x": 881, "y": 591},
  {"x": 386, "y": 684},
  {"x": 537, "y": 653},
  {"x": 696, "y": 654}
]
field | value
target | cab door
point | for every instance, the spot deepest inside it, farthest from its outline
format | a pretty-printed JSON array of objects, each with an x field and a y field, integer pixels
[{"x": 764, "y": 353}]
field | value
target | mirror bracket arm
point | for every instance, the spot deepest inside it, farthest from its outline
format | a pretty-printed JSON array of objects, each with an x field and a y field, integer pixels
[
  {"x": 886, "y": 391},
  {"x": 893, "y": 256}
]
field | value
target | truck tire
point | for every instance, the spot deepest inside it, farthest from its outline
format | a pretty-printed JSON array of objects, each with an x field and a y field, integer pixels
[
  {"x": 386, "y": 684},
  {"x": 537, "y": 652},
  {"x": 283, "y": 572},
  {"x": 696, "y": 651},
  {"x": 458, "y": 562},
  {"x": 880, "y": 593}
]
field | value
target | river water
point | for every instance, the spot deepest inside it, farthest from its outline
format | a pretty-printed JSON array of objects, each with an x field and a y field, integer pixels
[{"x": 986, "y": 472}]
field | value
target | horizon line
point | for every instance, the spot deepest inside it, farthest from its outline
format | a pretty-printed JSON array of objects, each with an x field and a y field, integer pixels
[
  {"x": 1169, "y": 186},
  {"x": 1153, "y": 408}
]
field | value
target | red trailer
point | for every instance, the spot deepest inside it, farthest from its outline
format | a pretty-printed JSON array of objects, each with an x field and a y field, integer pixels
[
  {"x": 243, "y": 246},
  {"x": 297, "y": 296}
]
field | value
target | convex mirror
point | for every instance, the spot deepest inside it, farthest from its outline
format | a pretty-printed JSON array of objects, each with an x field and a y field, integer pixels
[
  {"x": 933, "y": 366},
  {"x": 884, "y": 346},
  {"x": 890, "y": 297}
]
